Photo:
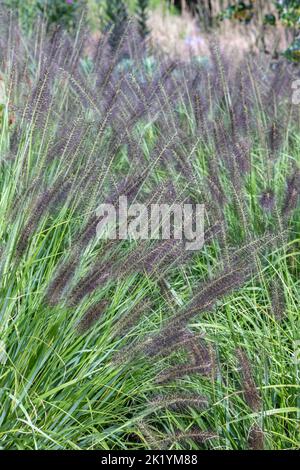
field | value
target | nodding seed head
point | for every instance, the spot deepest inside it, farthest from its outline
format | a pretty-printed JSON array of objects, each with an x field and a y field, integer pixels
[
  {"x": 250, "y": 391},
  {"x": 194, "y": 434},
  {"x": 256, "y": 438},
  {"x": 267, "y": 200},
  {"x": 91, "y": 316},
  {"x": 179, "y": 401}
]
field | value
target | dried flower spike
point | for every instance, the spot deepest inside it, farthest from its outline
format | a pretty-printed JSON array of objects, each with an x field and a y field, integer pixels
[
  {"x": 91, "y": 316},
  {"x": 250, "y": 391},
  {"x": 256, "y": 438}
]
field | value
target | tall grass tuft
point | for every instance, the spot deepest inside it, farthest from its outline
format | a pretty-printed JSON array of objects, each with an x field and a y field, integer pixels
[{"x": 88, "y": 336}]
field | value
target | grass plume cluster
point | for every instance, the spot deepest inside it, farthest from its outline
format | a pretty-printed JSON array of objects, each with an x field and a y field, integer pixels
[{"x": 93, "y": 327}]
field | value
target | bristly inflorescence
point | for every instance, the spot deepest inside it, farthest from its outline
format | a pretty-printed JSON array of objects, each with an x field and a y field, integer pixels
[
  {"x": 93, "y": 125},
  {"x": 251, "y": 394},
  {"x": 91, "y": 316},
  {"x": 256, "y": 438}
]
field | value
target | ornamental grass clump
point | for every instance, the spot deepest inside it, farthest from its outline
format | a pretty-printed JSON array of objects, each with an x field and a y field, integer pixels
[{"x": 95, "y": 353}]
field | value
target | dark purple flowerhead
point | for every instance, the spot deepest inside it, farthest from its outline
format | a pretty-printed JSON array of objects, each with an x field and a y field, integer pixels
[{"x": 267, "y": 200}]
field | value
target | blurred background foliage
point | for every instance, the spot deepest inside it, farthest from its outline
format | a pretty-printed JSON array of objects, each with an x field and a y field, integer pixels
[{"x": 209, "y": 16}]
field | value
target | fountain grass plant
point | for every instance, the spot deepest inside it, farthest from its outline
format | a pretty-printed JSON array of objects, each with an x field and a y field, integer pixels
[{"x": 128, "y": 345}]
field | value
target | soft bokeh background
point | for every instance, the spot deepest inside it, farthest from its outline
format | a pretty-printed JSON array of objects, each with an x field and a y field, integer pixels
[{"x": 183, "y": 28}]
